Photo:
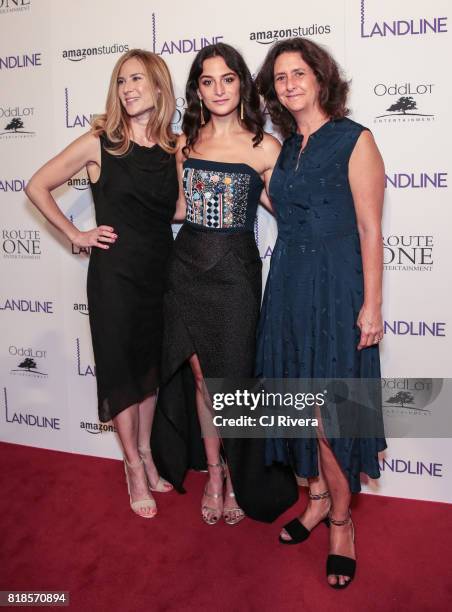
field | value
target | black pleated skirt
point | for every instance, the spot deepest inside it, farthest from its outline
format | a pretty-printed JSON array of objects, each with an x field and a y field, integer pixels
[{"x": 211, "y": 308}]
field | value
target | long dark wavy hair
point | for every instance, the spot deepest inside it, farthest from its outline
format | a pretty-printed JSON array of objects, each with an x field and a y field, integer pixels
[
  {"x": 253, "y": 118},
  {"x": 333, "y": 87}
]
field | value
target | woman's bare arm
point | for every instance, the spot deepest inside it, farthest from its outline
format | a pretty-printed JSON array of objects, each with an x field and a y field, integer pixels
[
  {"x": 181, "y": 204},
  {"x": 272, "y": 148},
  {"x": 366, "y": 175},
  {"x": 84, "y": 151}
]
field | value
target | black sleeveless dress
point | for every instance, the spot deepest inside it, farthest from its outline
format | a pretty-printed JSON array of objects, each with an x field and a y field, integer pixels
[
  {"x": 211, "y": 308},
  {"x": 136, "y": 195}
]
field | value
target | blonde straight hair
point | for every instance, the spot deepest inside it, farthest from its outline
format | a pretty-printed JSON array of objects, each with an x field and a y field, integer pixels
[{"x": 114, "y": 123}]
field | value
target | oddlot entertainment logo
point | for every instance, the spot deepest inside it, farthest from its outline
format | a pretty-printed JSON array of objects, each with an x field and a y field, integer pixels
[
  {"x": 400, "y": 104},
  {"x": 408, "y": 396},
  {"x": 407, "y": 26},
  {"x": 28, "y": 361},
  {"x": 14, "y": 122},
  {"x": 182, "y": 45},
  {"x": 13, "y": 417}
]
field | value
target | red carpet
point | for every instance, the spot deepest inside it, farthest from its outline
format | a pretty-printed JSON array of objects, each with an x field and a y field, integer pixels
[{"x": 66, "y": 525}]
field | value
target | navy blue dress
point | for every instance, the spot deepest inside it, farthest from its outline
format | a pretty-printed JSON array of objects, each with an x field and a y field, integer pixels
[{"x": 315, "y": 289}]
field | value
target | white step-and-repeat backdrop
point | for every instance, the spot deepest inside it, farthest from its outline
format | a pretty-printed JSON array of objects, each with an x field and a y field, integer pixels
[{"x": 56, "y": 58}]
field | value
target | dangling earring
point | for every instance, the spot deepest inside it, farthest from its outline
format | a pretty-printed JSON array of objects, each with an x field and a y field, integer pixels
[
  {"x": 241, "y": 110},
  {"x": 203, "y": 121}
]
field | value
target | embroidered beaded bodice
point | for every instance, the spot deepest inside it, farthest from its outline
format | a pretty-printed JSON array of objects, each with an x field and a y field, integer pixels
[{"x": 221, "y": 196}]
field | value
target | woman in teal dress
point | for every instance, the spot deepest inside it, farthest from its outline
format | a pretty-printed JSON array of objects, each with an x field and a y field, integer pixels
[{"x": 321, "y": 315}]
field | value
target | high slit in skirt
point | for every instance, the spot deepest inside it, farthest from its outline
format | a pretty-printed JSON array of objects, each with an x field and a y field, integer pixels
[{"x": 211, "y": 309}]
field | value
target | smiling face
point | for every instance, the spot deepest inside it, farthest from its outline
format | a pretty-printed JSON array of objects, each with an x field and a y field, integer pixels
[
  {"x": 295, "y": 83},
  {"x": 134, "y": 89},
  {"x": 219, "y": 87}
]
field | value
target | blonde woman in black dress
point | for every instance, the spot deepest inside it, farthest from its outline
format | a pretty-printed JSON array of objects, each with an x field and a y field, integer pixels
[{"x": 129, "y": 157}]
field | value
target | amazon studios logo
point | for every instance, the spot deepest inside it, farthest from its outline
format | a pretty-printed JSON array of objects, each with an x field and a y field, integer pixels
[
  {"x": 401, "y": 106},
  {"x": 399, "y": 27},
  {"x": 267, "y": 37},
  {"x": 183, "y": 45},
  {"x": 28, "y": 419},
  {"x": 97, "y": 428},
  {"x": 405, "y": 253},
  {"x": 28, "y": 361},
  {"x": 78, "y": 55},
  {"x": 20, "y": 244},
  {"x": 14, "y": 6},
  {"x": 79, "y": 183},
  {"x": 14, "y": 122},
  {"x": 81, "y": 308}
]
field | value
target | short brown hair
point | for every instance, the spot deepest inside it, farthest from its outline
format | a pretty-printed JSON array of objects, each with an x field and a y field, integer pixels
[{"x": 333, "y": 87}]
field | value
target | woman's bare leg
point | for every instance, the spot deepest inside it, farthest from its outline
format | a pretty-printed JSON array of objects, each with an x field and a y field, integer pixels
[
  {"x": 127, "y": 425},
  {"x": 316, "y": 510},
  {"x": 211, "y": 444},
  {"x": 341, "y": 537},
  {"x": 146, "y": 412}
]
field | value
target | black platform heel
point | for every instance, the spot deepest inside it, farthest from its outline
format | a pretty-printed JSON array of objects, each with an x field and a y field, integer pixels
[
  {"x": 297, "y": 531},
  {"x": 338, "y": 565}
]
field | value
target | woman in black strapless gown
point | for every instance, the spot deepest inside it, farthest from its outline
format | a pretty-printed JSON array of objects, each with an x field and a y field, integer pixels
[
  {"x": 129, "y": 156},
  {"x": 214, "y": 290}
]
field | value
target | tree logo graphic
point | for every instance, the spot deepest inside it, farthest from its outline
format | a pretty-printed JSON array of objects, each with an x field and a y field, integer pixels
[
  {"x": 403, "y": 104},
  {"x": 28, "y": 366},
  {"x": 404, "y": 399},
  {"x": 15, "y": 126}
]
